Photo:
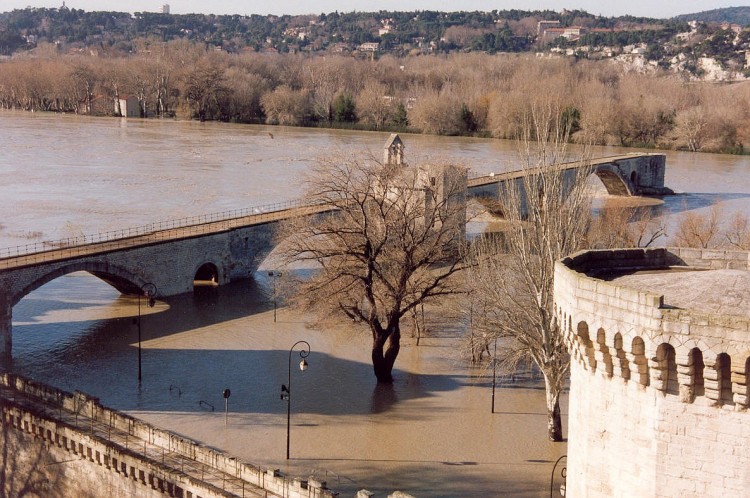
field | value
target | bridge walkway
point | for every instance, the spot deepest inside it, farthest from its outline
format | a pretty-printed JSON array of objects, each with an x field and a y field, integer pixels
[
  {"x": 482, "y": 180},
  {"x": 231, "y": 484},
  {"x": 63, "y": 252}
]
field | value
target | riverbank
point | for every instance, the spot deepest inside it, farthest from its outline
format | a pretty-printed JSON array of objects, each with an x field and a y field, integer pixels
[{"x": 737, "y": 150}]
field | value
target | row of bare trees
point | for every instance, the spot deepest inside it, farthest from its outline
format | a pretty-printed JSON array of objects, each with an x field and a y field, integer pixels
[
  {"x": 455, "y": 94},
  {"x": 713, "y": 230}
]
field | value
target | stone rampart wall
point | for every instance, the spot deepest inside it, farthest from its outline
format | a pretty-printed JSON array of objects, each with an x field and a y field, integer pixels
[
  {"x": 626, "y": 440},
  {"x": 105, "y": 456}
]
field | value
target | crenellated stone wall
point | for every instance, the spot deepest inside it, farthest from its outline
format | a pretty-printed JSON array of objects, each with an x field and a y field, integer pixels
[
  {"x": 658, "y": 395},
  {"x": 95, "y": 465}
]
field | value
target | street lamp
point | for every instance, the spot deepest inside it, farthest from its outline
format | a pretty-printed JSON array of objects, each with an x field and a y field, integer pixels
[
  {"x": 149, "y": 290},
  {"x": 563, "y": 475},
  {"x": 274, "y": 275},
  {"x": 494, "y": 372},
  {"x": 286, "y": 389}
]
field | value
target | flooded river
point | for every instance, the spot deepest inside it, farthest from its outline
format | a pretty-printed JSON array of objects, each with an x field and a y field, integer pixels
[{"x": 431, "y": 435}]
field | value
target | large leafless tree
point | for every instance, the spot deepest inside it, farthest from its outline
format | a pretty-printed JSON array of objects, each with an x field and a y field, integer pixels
[
  {"x": 390, "y": 243},
  {"x": 546, "y": 216}
]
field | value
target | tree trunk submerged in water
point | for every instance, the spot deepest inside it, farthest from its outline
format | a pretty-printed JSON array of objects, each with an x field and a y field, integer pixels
[
  {"x": 385, "y": 348},
  {"x": 554, "y": 419}
]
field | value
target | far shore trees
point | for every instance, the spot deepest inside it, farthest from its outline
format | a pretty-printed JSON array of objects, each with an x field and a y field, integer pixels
[
  {"x": 391, "y": 243},
  {"x": 469, "y": 93}
]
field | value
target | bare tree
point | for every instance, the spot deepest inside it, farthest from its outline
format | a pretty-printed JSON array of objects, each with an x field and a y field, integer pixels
[
  {"x": 547, "y": 214},
  {"x": 325, "y": 78},
  {"x": 690, "y": 129},
  {"x": 698, "y": 230},
  {"x": 245, "y": 91},
  {"x": 112, "y": 80},
  {"x": 624, "y": 227},
  {"x": 286, "y": 106},
  {"x": 205, "y": 86},
  {"x": 389, "y": 244},
  {"x": 738, "y": 232},
  {"x": 374, "y": 106},
  {"x": 712, "y": 230},
  {"x": 437, "y": 113},
  {"x": 84, "y": 80}
]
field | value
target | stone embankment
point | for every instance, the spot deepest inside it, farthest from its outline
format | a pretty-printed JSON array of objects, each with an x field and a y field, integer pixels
[{"x": 85, "y": 449}]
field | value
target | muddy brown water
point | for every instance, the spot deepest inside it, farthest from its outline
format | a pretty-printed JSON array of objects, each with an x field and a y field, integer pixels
[{"x": 432, "y": 434}]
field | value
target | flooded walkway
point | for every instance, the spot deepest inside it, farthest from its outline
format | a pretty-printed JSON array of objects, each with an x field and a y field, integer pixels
[{"x": 431, "y": 434}]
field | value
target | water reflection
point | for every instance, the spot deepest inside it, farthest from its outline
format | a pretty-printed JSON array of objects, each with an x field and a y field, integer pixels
[{"x": 383, "y": 397}]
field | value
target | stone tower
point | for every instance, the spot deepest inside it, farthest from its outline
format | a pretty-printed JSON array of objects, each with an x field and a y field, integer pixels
[{"x": 659, "y": 368}]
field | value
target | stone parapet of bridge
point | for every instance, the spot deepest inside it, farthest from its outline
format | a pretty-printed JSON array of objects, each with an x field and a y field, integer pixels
[{"x": 659, "y": 389}]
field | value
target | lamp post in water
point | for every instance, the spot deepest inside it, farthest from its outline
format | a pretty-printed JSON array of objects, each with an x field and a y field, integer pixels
[
  {"x": 563, "y": 476},
  {"x": 274, "y": 275},
  {"x": 286, "y": 389},
  {"x": 494, "y": 375},
  {"x": 149, "y": 290}
]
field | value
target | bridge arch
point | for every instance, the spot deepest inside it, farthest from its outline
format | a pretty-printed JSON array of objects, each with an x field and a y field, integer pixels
[
  {"x": 613, "y": 180},
  {"x": 207, "y": 273},
  {"x": 624, "y": 175},
  {"x": 122, "y": 279}
]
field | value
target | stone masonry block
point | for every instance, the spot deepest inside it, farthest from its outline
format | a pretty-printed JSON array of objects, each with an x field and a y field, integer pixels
[
  {"x": 586, "y": 306},
  {"x": 586, "y": 294},
  {"x": 675, "y": 328},
  {"x": 711, "y": 254},
  {"x": 587, "y": 284}
]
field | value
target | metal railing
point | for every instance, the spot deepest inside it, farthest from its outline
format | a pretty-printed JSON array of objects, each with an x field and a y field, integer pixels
[{"x": 153, "y": 232}]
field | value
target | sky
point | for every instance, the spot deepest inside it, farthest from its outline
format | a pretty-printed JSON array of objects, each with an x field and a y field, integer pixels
[{"x": 608, "y": 8}]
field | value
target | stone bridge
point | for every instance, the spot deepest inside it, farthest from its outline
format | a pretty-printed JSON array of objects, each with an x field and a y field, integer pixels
[
  {"x": 228, "y": 246},
  {"x": 172, "y": 256},
  {"x": 626, "y": 175}
]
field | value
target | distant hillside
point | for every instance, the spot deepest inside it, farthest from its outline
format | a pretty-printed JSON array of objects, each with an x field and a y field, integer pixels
[{"x": 734, "y": 15}]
